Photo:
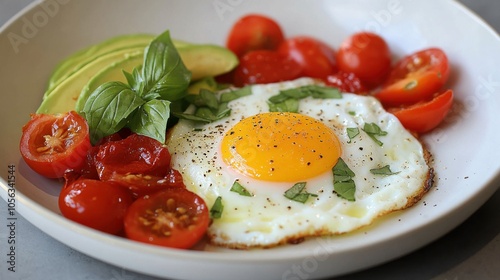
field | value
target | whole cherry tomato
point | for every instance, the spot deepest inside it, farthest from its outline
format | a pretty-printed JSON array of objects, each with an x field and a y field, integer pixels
[
  {"x": 262, "y": 67},
  {"x": 416, "y": 77},
  {"x": 54, "y": 144},
  {"x": 254, "y": 32},
  {"x": 315, "y": 57},
  {"x": 367, "y": 55},
  {"x": 174, "y": 218},
  {"x": 96, "y": 204}
]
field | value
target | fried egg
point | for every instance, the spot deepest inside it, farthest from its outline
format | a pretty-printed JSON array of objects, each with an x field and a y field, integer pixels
[{"x": 269, "y": 155}]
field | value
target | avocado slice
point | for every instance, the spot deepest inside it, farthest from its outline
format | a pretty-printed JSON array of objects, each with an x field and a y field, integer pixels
[
  {"x": 63, "y": 96},
  {"x": 207, "y": 60},
  {"x": 78, "y": 60},
  {"x": 208, "y": 83},
  {"x": 113, "y": 72},
  {"x": 72, "y": 92}
]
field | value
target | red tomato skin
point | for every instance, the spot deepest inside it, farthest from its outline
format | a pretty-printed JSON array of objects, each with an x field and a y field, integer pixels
[
  {"x": 263, "y": 67},
  {"x": 346, "y": 82},
  {"x": 254, "y": 32},
  {"x": 416, "y": 77},
  {"x": 96, "y": 204},
  {"x": 315, "y": 57},
  {"x": 182, "y": 237},
  {"x": 425, "y": 116},
  {"x": 138, "y": 163},
  {"x": 74, "y": 153},
  {"x": 367, "y": 55}
]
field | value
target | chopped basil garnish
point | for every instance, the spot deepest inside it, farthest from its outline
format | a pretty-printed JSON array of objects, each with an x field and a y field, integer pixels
[
  {"x": 289, "y": 105},
  {"x": 297, "y": 193},
  {"x": 343, "y": 184},
  {"x": 208, "y": 107},
  {"x": 217, "y": 208},
  {"x": 287, "y": 100},
  {"x": 386, "y": 170},
  {"x": 235, "y": 94},
  {"x": 238, "y": 188},
  {"x": 373, "y": 130},
  {"x": 352, "y": 113},
  {"x": 352, "y": 132}
]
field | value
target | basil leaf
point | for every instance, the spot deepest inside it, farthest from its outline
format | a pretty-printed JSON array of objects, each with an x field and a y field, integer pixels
[
  {"x": 288, "y": 100},
  {"x": 205, "y": 113},
  {"x": 134, "y": 79},
  {"x": 107, "y": 108},
  {"x": 297, "y": 193},
  {"x": 151, "y": 119},
  {"x": 325, "y": 92},
  {"x": 345, "y": 189},
  {"x": 163, "y": 71},
  {"x": 279, "y": 98},
  {"x": 314, "y": 91},
  {"x": 222, "y": 112},
  {"x": 191, "y": 117},
  {"x": 238, "y": 188},
  {"x": 235, "y": 94},
  {"x": 373, "y": 130},
  {"x": 341, "y": 169},
  {"x": 217, "y": 208},
  {"x": 208, "y": 107},
  {"x": 352, "y": 132},
  {"x": 386, "y": 170},
  {"x": 289, "y": 105},
  {"x": 296, "y": 93},
  {"x": 342, "y": 178},
  {"x": 205, "y": 98},
  {"x": 343, "y": 184},
  {"x": 295, "y": 190}
]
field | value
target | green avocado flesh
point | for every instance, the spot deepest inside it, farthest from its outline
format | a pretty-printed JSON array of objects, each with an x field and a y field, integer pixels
[
  {"x": 78, "y": 76},
  {"x": 85, "y": 56},
  {"x": 62, "y": 98}
]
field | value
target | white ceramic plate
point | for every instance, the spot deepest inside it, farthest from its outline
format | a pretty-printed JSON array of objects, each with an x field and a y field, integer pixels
[{"x": 465, "y": 147}]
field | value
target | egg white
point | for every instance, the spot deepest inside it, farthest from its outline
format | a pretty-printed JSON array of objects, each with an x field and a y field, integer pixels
[{"x": 268, "y": 218}]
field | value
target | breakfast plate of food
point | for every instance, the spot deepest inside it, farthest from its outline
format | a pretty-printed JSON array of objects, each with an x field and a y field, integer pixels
[{"x": 244, "y": 141}]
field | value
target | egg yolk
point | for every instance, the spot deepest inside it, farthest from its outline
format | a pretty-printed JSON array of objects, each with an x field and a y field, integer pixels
[{"x": 280, "y": 147}]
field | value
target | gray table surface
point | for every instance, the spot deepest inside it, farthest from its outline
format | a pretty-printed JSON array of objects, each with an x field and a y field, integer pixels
[{"x": 471, "y": 251}]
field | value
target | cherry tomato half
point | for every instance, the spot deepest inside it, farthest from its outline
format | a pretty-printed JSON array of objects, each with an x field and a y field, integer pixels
[
  {"x": 262, "y": 67},
  {"x": 174, "y": 218},
  {"x": 140, "y": 163},
  {"x": 316, "y": 58},
  {"x": 367, "y": 55},
  {"x": 415, "y": 78},
  {"x": 54, "y": 144},
  {"x": 96, "y": 204},
  {"x": 425, "y": 116},
  {"x": 254, "y": 32},
  {"x": 346, "y": 82}
]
